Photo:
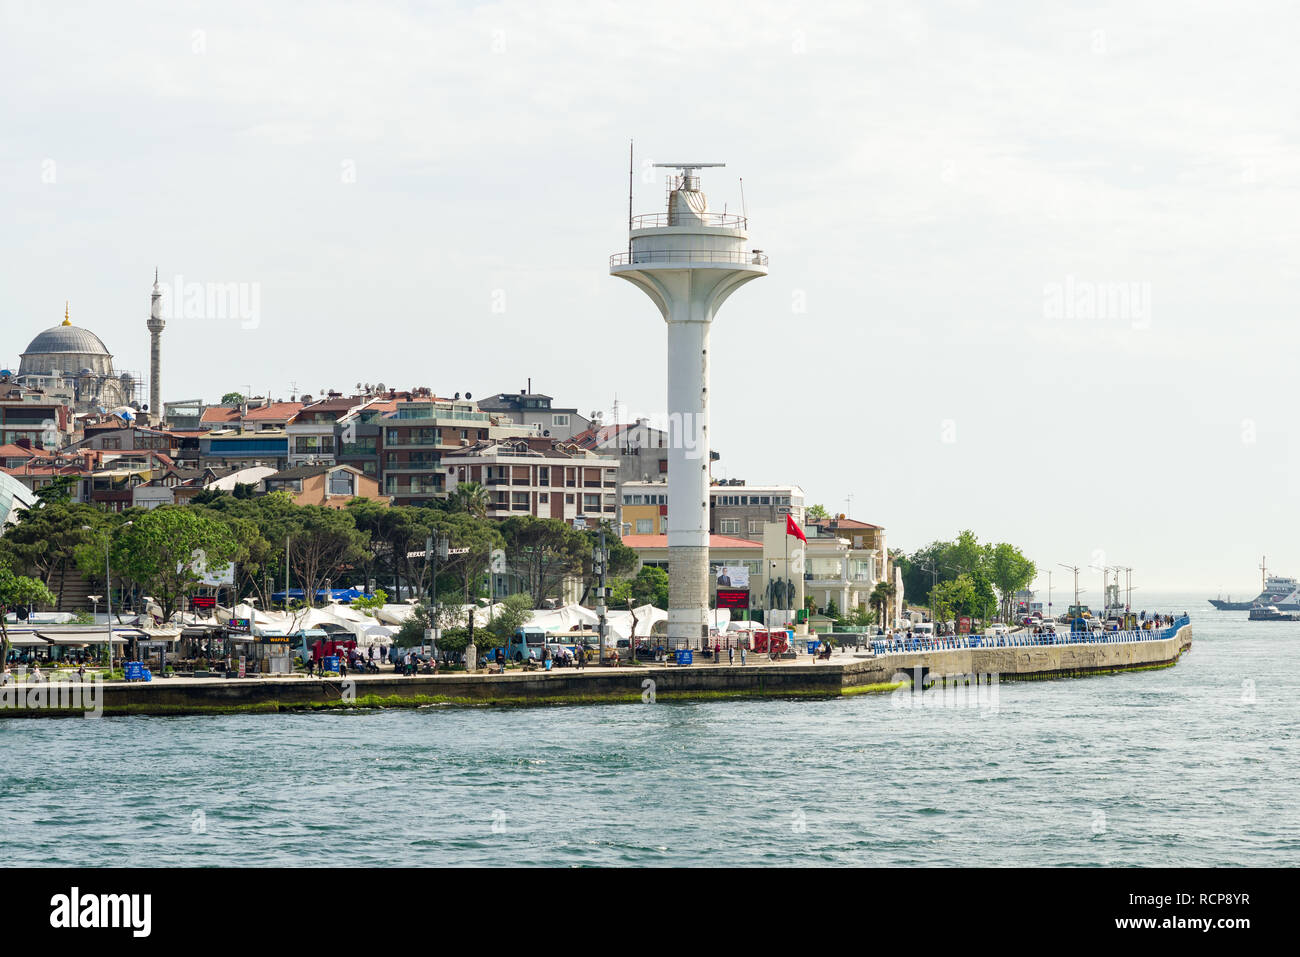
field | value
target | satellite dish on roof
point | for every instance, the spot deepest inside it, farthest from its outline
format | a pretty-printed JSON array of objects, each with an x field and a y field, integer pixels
[{"x": 468, "y": 396}]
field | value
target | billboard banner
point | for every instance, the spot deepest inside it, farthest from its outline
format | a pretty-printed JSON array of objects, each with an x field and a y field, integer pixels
[{"x": 733, "y": 576}]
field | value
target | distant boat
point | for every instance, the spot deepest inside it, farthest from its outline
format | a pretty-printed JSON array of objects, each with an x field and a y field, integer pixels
[
  {"x": 1272, "y": 613},
  {"x": 1281, "y": 591}
]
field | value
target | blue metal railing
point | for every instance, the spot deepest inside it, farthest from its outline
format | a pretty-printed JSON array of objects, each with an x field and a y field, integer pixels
[{"x": 903, "y": 646}]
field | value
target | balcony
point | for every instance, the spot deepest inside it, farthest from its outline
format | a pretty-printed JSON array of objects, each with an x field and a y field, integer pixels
[
  {"x": 650, "y": 256},
  {"x": 428, "y": 442},
  {"x": 410, "y": 467},
  {"x": 712, "y": 220}
]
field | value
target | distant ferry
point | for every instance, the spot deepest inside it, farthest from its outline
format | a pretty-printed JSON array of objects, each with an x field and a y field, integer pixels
[{"x": 1280, "y": 591}]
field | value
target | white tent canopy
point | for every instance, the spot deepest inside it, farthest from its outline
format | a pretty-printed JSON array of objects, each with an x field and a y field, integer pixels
[{"x": 620, "y": 622}]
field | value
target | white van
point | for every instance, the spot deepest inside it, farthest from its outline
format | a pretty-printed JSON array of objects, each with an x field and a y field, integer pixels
[{"x": 924, "y": 629}]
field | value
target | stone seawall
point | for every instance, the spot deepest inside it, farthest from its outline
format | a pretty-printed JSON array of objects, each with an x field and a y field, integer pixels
[
  {"x": 821, "y": 680},
  {"x": 1039, "y": 661}
]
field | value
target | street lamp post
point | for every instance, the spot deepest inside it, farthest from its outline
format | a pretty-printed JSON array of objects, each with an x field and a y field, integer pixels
[
  {"x": 599, "y": 560},
  {"x": 108, "y": 593}
]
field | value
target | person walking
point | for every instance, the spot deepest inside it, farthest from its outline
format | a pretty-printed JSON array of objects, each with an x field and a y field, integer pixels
[
  {"x": 742, "y": 654},
  {"x": 731, "y": 654},
  {"x": 717, "y": 652},
  {"x": 311, "y": 667}
]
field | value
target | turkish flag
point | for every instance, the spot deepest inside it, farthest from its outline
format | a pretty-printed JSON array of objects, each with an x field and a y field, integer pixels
[{"x": 792, "y": 529}]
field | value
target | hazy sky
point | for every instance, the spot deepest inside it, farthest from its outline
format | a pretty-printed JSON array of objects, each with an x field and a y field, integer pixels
[{"x": 952, "y": 195}]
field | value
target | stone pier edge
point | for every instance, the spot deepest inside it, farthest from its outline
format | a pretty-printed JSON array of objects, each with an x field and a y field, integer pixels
[{"x": 594, "y": 686}]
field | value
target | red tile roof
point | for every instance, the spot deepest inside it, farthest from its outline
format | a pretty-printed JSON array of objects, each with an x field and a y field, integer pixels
[
  {"x": 220, "y": 414},
  {"x": 836, "y": 523},
  {"x": 274, "y": 411}
]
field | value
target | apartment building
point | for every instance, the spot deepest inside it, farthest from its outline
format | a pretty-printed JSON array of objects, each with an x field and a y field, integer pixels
[
  {"x": 734, "y": 507},
  {"x": 539, "y": 477},
  {"x": 535, "y": 412}
]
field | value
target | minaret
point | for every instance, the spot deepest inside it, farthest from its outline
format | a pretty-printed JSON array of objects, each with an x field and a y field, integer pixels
[
  {"x": 688, "y": 261},
  {"x": 155, "y": 354}
]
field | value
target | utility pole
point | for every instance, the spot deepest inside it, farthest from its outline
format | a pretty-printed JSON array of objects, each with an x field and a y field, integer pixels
[
  {"x": 108, "y": 599},
  {"x": 1075, "y": 569},
  {"x": 435, "y": 546},
  {"x": 599, "y": 559}
]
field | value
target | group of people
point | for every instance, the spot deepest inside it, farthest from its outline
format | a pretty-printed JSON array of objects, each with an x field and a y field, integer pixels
[{"x": 36, "y": 675}]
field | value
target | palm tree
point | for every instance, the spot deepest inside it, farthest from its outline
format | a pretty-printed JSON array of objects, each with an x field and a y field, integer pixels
[
  {"x": 470, "y": 497},
  {"x": 882, "y": 596}
]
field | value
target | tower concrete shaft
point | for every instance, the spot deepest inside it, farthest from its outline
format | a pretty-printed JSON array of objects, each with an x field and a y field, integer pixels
[
  {"x": 688, "y": 261},
  {"x": 156, "y": 324}
]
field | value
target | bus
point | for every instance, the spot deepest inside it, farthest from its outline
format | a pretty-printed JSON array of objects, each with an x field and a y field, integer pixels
[{"x": 529, "y": 641}]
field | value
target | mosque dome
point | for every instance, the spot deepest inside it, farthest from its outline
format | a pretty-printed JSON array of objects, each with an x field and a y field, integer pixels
[
  {"x": 66, "y": 346},
  {"x": 66, "y": 339}
]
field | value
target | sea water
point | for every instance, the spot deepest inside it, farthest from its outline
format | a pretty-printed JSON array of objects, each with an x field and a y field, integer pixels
[{"x": 1198, "y": 764}]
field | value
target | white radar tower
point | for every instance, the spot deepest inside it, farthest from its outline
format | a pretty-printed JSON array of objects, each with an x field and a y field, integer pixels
[{"x": 688, "y": 261}]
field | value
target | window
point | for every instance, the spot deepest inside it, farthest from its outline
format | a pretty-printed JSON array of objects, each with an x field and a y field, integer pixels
[
  {"x": 755, "y": 526},
  {"x": 559, "y": 420},
  {"x": 543, "y": 475},
  {"x": 568, "y": 500},
  {"x": 591, "y": 502},
  {"x": 519, "y": 499},
  {"x": 645, "y": 526},
  {"x": 544, "y": 497},
  {"x": 342, "y": 482},
  {"x": 663, "y": 465},
  {"x": 729, "y": 526}
]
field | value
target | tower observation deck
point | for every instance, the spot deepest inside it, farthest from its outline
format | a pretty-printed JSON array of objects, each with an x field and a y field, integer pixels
[{"x": 689, "y": 261}]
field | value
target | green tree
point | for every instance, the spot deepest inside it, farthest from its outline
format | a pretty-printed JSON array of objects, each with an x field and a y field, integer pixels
[
  {"x": 882, "y": 600},
  {"x": 622, "y": 560},
  {"x": 17, "y": 591},
  {"x": 1009, "y": 571},
  {"x": 469, "y": 497},
  {"x": 322, "y": 543},
  {"x": 543, "y": 552},
  {"x": 509, "y": 616},
  {"x": 232, "y": 398},
  {"x": 368, "y": 604},
  {"x": 649, "y": 587},
  {"x": 816, "y": 513},
  {"x": 168, "y": 549},
  {"x": 951, "y": 598},
  {"x": 58, "y": 489},
  {"x": 46, "y": 541},
  {"x": 861, "y": 617}
]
